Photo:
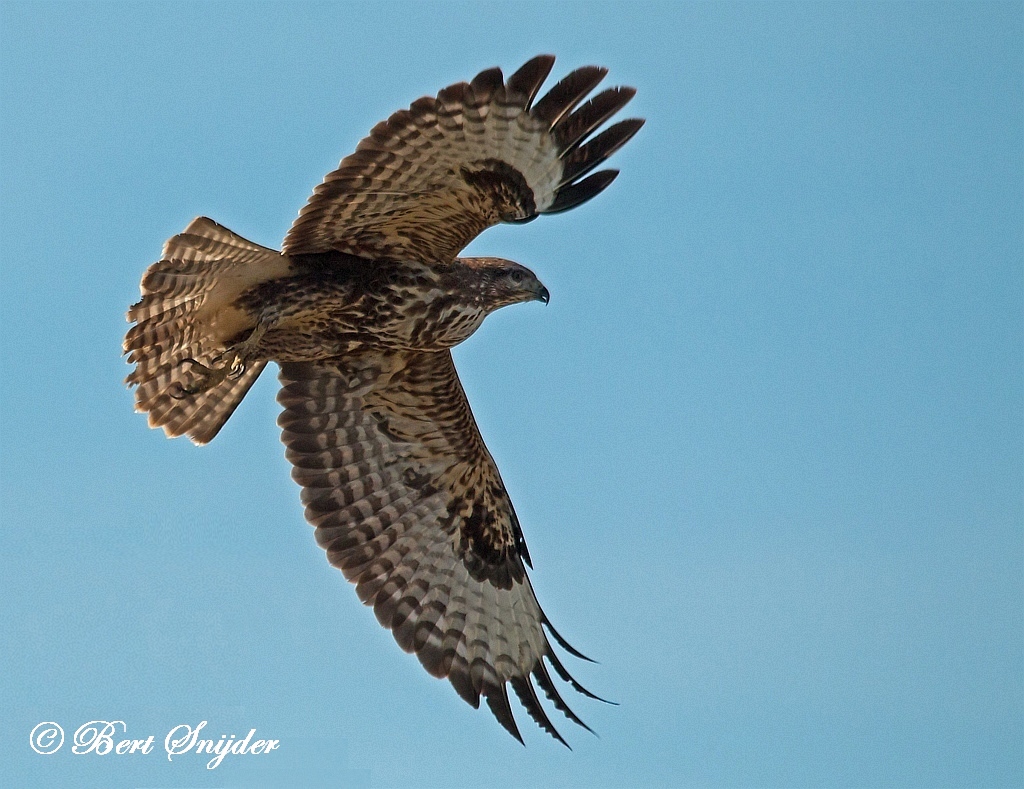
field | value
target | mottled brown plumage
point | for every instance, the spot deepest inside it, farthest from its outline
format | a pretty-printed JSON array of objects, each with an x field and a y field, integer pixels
[{"x": 360, "y": 310}]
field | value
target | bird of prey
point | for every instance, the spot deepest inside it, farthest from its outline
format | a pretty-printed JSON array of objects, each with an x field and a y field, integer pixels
[{"x": 360, "y": 309}]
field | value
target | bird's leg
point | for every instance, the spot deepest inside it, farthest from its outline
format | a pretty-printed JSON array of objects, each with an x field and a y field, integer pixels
[
  {"x": 230, "y": 363},
  {"x": 208, "y": 378},
  {"x": 245, "y": 351}
]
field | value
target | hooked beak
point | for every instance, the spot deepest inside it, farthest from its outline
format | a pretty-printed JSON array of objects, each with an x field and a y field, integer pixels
[{"x": 541, "y": 294}]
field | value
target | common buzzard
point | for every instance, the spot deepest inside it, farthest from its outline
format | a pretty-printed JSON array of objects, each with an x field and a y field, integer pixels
[{"x": 360, "y": 309}]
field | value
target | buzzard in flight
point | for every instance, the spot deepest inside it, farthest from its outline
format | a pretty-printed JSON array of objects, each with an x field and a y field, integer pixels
[{"x": 361, "y": 309}]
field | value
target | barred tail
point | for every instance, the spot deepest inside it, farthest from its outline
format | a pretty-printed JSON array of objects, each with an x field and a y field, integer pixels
[{"x": 185, "y": 314}]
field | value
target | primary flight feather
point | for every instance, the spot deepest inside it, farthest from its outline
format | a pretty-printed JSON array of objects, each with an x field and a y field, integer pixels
[{"x": 360, "y": 310}]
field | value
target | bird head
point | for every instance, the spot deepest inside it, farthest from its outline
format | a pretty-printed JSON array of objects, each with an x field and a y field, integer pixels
[{"x": 502, "y": 282}]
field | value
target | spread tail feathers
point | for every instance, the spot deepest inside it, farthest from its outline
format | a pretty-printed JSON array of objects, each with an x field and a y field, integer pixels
[{"x": 181, "y": 325}]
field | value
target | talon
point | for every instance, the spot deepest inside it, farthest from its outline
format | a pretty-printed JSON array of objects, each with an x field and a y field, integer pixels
[
  {"x": 183, "y": 391},
  {"x": 197, "y": 364},
  {"x": 206, "y": 378}
]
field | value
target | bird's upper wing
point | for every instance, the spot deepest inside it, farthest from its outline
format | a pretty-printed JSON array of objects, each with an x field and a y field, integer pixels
[
  {"x": 429, "y": 179},
  {"x": 408, "y": 504}
]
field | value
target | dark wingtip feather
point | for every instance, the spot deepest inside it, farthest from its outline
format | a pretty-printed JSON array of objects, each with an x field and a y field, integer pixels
[
  {"x": 458, "y": 675},
  {"x": 488, "y": 81},
  {"x": 570, "y": 130},
  {"x": 528, "y": 696},
  {"x": 580, "y": 161},
  {"x": 530, "y": 77},
  {"x": 567, "y": 93},
  {"x": 540, "y": 672},
  {"x": 563, "y": 643},
  {"x": 497, "y": 700},
  {"x": 578, "y": 193},
  {"x": 453, "y": 94},
  {"x": 563, "y": 672}
]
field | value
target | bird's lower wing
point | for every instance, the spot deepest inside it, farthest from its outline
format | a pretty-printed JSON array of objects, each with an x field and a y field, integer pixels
[{"x": 408, "y": 504}]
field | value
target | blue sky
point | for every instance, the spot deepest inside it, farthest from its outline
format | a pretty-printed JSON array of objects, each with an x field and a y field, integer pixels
[{"x": 766, "y": 442}]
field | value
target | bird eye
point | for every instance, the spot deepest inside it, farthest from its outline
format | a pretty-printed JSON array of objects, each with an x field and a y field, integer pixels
[{"x": 517, "y": 276}]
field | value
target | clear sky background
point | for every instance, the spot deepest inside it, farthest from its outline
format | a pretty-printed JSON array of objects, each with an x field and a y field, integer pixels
[{"x": 766, "y": 441}]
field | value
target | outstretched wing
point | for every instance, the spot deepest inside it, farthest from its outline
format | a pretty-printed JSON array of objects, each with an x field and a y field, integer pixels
[
  {"x": 408, "y": 504},
  {"x": 431, "y": 178}
]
